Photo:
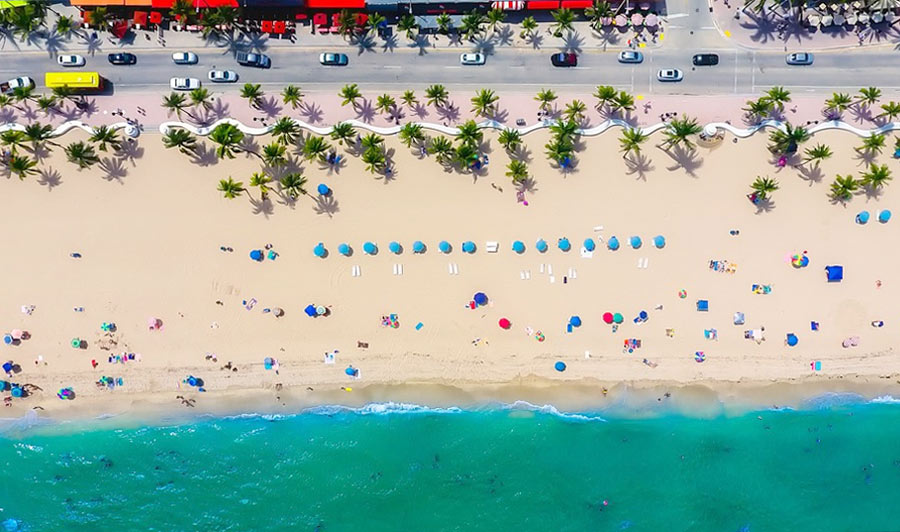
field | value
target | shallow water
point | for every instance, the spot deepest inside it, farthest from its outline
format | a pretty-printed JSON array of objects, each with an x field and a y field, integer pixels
[{"x": 385, "y": 468}]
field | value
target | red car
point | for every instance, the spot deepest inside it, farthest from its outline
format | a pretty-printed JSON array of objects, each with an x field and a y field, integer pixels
[{"x": 564, "y": 60}]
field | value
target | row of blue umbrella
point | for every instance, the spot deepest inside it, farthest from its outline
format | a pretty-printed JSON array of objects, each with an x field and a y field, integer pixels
[
  {"x": 370, "y": 248},
  {"x": 883, "y": 217}
]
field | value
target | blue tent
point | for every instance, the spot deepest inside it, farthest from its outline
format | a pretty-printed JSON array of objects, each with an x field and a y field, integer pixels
[
  {"x": 613, "y": 243},
  {"x": 418, "y": 246},
  {"x": 319, "y": 250},
  {"x": 518, "y": 246},
  {"x": 834, "y": 273},
  {"x": 369, "y": 248},
  {"x": 563, "y": 244},
  {"x": 323, "y": 189},
  {"x": 575, "y": 321},
  {"x": 635, "y": 242},
  {"x": 659, "y": 241},
  {"x": 589, "y": 244},
  {"x": 256, "y": 255},
  {"x": 792, "y": 339},
  {"x": 468, "y": 246},
  {"x": 395, "y": 248},
  {"x": 344, "y": 250},
  {"x": 480, "y": 298},
  {"x": 310, "y": 311},
  {"x": 703, "y": 305},
  {"x": 884, "y": 216},
  {"x": 541, "y": 245},
  {"x": 560, "y": 366},
  {"x": 445, "y": 246},
  {"x": 862, "y": 217}
]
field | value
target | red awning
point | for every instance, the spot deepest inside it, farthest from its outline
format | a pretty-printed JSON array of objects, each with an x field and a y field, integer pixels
[
  {"x": 279, "y": 27},
  {"x": 362, "y": 19},
  {"x": 120, "y": 28},
  {"x": 336, "y": 4},
  {"x": 320, "y": 19},
  {"x": 335, "y": 19},
  {"x": 86, "y": 17},
  {"x": 266, "y": 26},
  {"x": 543, "y": 4},
  {"x": 215, "y": 3},
  {"x": 301, "y": 16},
  {"x": 155, "y": 17},
  {"x": 577, "y": 4},
  {"x": 140, "y": 17},
  {"x": 162, "y": 4}
]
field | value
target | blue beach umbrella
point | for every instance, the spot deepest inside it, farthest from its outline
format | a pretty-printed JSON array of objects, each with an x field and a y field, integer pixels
[
  {"x": 17, "y": 392},
  {"x": 256, "y": 255},
  {"x": 613, "y": 243},
  {"x": 344, "y": 250},
  {"x": 480, "y": 298},
  {"x": 319, "y": 250},
  {"x": 310, "y": 311},
  {"x": 3, "y": 386},
  {"x": 659, "y": 241},
  {"x": 468, "y": 246},
  {"x": 7, "y": 339},
  {"x": 792, "y": 339},
  {"x": 518, "y": 246},
  {"x": 575, "y": 321},
  {"x": 351, "y": 371},
  {"x": 323, "y": 189},
  {"x": 541, "y": 245},
  {"x": 862, "y": 218},
  {"x": 418, "y": 246},
  {"x": 589, "y": 244},
  {"x": 560, "y": 366},
  {"x": 395, "y": 247},
  {"x": 635, "y": 242},
  {"x": 884, "y": 216},
  {"x": 369, "y": 248},
  {"x": 563, "y": 244},
  {"x": 445, "y": 246}
]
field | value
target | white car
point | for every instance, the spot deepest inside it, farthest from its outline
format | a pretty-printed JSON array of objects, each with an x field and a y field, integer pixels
[
  {"x": 15, "y": 83},
  {"x": 471, "y": 59},
  {"x": 799, "y": 59},
  {"x": 71, "y": 60},
  {"x": 223, "y": 76},
  {"x": 669, "y": 74},
  {"x": 184, "y": 84},
  {"x": 185, "y": 58}
]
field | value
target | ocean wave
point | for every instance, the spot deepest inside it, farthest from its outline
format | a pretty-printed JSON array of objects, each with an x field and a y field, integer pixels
[
  {"x": 833, "y": 399},
  {"x": 547, "y": 409},
  {"x": 886, "y": 399},
  {"x": 28, "y": 421}
]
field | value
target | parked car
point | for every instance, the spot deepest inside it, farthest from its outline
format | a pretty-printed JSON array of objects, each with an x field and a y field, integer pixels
[
  {"x": 799, "y": 58},
  {"x": 631, "y": 56},
  {"x": 185, "y": 58},
  {"x": 564, "y": 60},
  {"x": 223, "y": 76},
  {"x": 15, "y": 83},
  {"x": 471, "y": 59},
  {"x": 705, "y": 59},
  {"x": 669, "y": 74},
  {"x": 123, "y": 58},
  {"x": 70, "y": 60},
  {"x": 253, "y": 60},
  {"x": 328, "y": 59},
  {"x": 184, "y": 84}
]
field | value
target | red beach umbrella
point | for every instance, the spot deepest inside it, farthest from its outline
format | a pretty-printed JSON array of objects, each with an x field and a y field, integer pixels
[
  {"x": 608, "y": 317},
  {"x": 505, "y": 323}
]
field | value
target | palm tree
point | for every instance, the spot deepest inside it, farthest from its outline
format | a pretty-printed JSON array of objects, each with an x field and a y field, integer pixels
[
  {"x": 23, "y": 94},
  {"x": 184, "y": 10},
  {"x": 868, "y": 95},
  {"x": 872, "y": 143},
  {"x": 385, "y": 103},
  {"x": 176, "y": 102},
  {"x": 679, "y": 131},
  {"x": 409, "y": 98},
  {"x": 890, "y": 110},
  {"x": 631, "y": 141},
  {"x": 817, "y": 153},
  {"x": 261, "y": 181},
  {"x": 495, "y": 17},
  {"x": 63, "y": 92},
  {"x": 372, "y": 141},
  {"x": 470, "y": 24},
  {"x": 564, "y": 129},
  {"x": 376, "y": 21},
  {"x": 876, "y": 177},
  {"x": 253, "y": 93},
  {"x": 529, "y": 25},
  {"x": 622, "y": 101},
  {"x": 407, "y": 23},
  {"x": 342, "y": 131},
  {"x": 545, "y": 97},
  {"x": 103, "y": 136},
  {"x": 763, "y": 186},
  {"x": 274, "y": 155},
  {"x": 411, "y": 133},
  {"x": 182, "y": 139},
  {"x": 294, "y": 184},
  {"x": 38, "y": 133},
  {"x": 285, "y": 130},
  {"x": 597, "y": 12},
  {"x": 101, "y": 17},
  {"x": 778, "y": 96},
  {"x": 441, "y": 148},
  {"x": 373, "y": 159},
  {"x": 517, "y": 170},
  {"x": 350, "y": 93},
  {"x": 315, "y": 147},
  {"x": 843, "y": 188},
  {"x": 605, "y": 94},
  {"x": 465, "y": 154},
  {"x": 558, "y": 150},
  {"x": 47, "y": 104},
  {"x": 510, "y": 139},
  {"x": 200, "y": 97},
  {"x": 64, "y": 25},
  {"x": 469, "y": 133},
  {"x": 12, "y": 138},
  {"x": 437, "y": 95},
  {"x": 787, "y": 141},
  {"x": 838, "y": 102},
  {"x": 291, "y": 95},
  {"x": 563, "y": 19},
  {"x": 21, "y": 165},
  {"x": 230, "y": 188},
  {"x": 228, "y": 137},
  {"x": 758, "y": 108},
  {"x": 346, "y": 22},
  {"x": 575, "y": 110},
  {"x": 484, "y": 103},
  {"x": 444, "y": 23},
  {"x": 81, "y": 154}
]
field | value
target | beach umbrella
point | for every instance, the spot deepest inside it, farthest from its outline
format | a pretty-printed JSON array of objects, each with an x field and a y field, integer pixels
[
  {"x": 4, "y": 385},
  {"x": 310, "y": 310},
  {"x": 445, "y": 246},
  {"x": 192, "y": 380},
  {"x": 607, "y": 317},
  {"x": 791, "y": 339},
  {"x": 613, "y": 243},
  {"x": 560, "y": 366},
  {"x": 395, "y": 247},
  {"x": 267, "y": 362},
  {"x": 575, "y": 321},
  {"x": 468, "y": 246},
  {"x": 563, "y": 244},
  {"x": 635, "y": 242},
  {"x": 256, "y": 255},
  {"x": 76, "y": 342},
  {"x": 351, "y": 371},
  {"x": 344, "y": 250},
  {"x": 618, "y": 318},
  {"x": 480, "y": 299},
  {"x": 8, "y": 339},
  {"x": 16, "y": 334},
  {"x": 319, "y": 250},
  {"x": 884, "y": 216},
  {"x": 369, "y": 248},
  {"x": 659, "y": 241},
  {"x": 17, "y": 392},
  {"x": 799, "y": 260},
  {"x": 518, "y": 246},
  {"x": 323, "y": 189},
  {"x": 541, "y": 245},
  {"x": 418, "y": 246},
  {"x": 321, "y": 310},
  {"x": 589, "y": 244},
  {"x": 278, "y": 312},
  {"x": 642, "y": 315},
  {"x": 862, "y": 217},
  {"x": 504, "y": 323}
]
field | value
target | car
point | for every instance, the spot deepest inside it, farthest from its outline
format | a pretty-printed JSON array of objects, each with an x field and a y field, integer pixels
[
  {"x": 184, "y": 84},
  {"x": 563, "y": 59},
  {"x": 705, "y": 59},
  {"x": 123, "y": 58},
  {"x": 253, "y": 60},
  {"x": 333, "y": 59},
  {"x": 70, "y": 60},
  {"x": 799, "y": 58},
  {"x": 471, "y": 59},
  {"x": 631, "y": 56},
  {"x": 9, "y": 86},
  {"x": 223, "y": 76},
  {"x": 185, "y": 58},
  {"x": 669, "y": 74}
]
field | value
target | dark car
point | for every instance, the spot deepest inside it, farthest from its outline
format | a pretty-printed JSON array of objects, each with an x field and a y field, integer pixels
[
  {"x": 123, "y": 58},
  {"x": 253, "y": 60},
  {"x": 705, "y": 60},
  {"x": 564, "y": 60}
]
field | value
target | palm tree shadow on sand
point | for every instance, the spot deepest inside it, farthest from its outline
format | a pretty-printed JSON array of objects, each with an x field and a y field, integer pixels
[
  {"x": 639, "y": 166},
  {"x": 811, "y": 174},
  {"x": 113, "y": 169},
  {"x": 687, "y": 159},
  {"x": 764, "y": 205},
  {"x": 326, "y": 205},
  {"x": 204, "y": 155},
  {"x": 49, "y": 177},
  {"x": 262, "y": 206}
]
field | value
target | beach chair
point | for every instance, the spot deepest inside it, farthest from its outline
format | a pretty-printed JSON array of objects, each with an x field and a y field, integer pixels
[
  {"x": 738, "y": 318},
  {"x": 711, "y": 334},
  {"x": 491, "y": 247}
]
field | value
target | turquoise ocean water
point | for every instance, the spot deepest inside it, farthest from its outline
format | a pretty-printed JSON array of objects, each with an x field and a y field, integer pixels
[{"x": 393, "y": 467}]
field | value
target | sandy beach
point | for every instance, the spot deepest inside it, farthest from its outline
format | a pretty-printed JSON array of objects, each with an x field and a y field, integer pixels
[{"x": 150, "y": 243}]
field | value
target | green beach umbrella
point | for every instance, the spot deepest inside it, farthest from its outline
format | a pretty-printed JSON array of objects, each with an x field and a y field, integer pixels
[
  {"x": 76, "y": 342},
  {"x": 617, "y": 318}
]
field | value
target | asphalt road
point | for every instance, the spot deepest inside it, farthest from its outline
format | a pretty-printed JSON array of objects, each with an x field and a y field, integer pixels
[{"x": 739, "y": 72}]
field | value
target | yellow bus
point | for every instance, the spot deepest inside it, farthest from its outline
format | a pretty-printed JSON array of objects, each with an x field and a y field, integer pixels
[{"x": 76, "y": 80}]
